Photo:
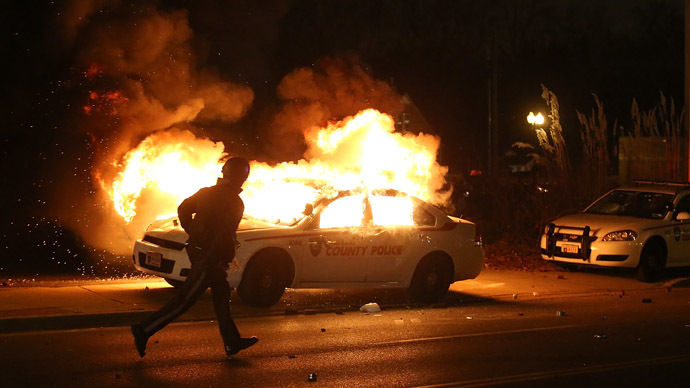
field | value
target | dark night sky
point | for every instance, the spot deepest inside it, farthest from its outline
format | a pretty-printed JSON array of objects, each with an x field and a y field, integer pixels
[{"x": 437, "y": 52}]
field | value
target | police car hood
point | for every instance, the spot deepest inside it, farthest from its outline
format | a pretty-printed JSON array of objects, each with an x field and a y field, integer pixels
[
  {"x": 600, "y": 222},
  {"x": 249, "y": 223},
  {"x": 170, "y": 229}
]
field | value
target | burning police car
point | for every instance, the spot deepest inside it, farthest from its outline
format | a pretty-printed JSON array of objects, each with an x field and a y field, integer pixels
[
  {"x": 646, "y": 227},
  {"x": 353, "y": 240}
]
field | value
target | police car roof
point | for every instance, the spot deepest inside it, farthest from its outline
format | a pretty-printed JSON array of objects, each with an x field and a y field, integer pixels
[{"x": 660, "y": 187}]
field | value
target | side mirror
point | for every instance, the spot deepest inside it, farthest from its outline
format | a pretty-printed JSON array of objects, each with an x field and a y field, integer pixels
[
  {"x": 309, "y": 210},
  {"x": 683, "y": 216}
]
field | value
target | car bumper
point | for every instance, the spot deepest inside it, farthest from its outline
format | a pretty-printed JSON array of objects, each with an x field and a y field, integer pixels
[
  {"x": 470, "y": 264},
  {"x": 174, "y": 263},
  {"x": 621, "y": 254}
]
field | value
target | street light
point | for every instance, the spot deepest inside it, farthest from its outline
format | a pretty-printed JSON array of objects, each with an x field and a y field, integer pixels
[{"x": 537, "y": 119}]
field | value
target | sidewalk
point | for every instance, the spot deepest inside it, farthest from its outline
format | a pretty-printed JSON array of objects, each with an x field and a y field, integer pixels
[{"x": 58, "y": 305}]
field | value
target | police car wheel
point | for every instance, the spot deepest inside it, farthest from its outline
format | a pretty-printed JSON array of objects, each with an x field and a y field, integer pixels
[
  {"x": 431, "y": 279},
  {"x": 262, "y": 282},
  {"x": 652, "y": 263}
]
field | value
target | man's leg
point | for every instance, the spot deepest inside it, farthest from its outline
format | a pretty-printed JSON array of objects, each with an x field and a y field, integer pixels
[
  {"x": 221, "y": 302},
  {"x": 191, "y": 290}
]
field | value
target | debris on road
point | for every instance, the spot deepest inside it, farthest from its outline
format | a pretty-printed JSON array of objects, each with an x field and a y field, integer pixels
[
  {"x": 312, "y": 377},
  {"x": 370, "y": 308},
  {"x": 515, "y": 296},
  {"x": 646, "y": 301},
  {"x": 292, "y": 356},
  {"x": 621, "y": 293},
  {"x": 560, "y": 313},
  {"x": 560, "y": 277},
  {"x": 535, "y": 293},
  {"x": 323, "y": 330}
]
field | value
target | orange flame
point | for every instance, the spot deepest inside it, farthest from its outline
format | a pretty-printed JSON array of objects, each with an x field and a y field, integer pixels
[{"x": 360, "y": 153}]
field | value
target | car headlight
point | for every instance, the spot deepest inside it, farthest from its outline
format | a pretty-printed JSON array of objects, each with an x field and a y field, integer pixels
[{"x": 621, "y": 235}]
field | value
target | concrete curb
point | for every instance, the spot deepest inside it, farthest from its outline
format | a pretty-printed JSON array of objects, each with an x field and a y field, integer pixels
[{"x": 68, "y": 322}]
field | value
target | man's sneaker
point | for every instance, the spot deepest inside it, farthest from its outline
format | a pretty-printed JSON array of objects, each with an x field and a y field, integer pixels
[
  {"x": 242, "y": 344},
  {"x": 140, "y": 339}
]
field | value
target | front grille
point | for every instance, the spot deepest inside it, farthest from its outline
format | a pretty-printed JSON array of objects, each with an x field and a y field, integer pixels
[
  {"x": 165, "y": 243},
  {"x": 166, "y": 264},
  {"x": 612, "y": 257},
  {"x": 559, "y": 253},
  {"x": 583, "y": 239}
]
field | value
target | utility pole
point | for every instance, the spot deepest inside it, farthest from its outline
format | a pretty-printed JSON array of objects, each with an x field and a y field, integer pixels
[
  {"x": 686, "y": 106},
  {"x": 492, "y": 105}
]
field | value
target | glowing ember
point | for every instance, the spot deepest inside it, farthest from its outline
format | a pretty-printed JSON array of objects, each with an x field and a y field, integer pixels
[
  {"x": 361, "y": 154},
  {"x": 107, "y": 102}
]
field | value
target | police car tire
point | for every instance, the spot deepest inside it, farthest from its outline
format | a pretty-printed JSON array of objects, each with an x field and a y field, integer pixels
[
  {"x": 263, "y": 283},
  {"x": 432, "y": 278},
  {"x": 652, "y": 262}
]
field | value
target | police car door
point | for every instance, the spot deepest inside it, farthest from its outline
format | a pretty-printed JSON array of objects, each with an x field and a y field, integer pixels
[
  {"x": 679, "y": 244},
  {"x": 335, "y": 244},
  {"x": 394, "y": 240}
]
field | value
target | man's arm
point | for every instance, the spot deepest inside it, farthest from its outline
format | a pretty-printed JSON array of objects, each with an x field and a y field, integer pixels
[{"x": 185, "y": 211}]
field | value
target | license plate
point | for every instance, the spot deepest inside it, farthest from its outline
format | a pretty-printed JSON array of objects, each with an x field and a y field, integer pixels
[
  {"x": 153, "y": 259},
  {"x": 569, "y": 248}
]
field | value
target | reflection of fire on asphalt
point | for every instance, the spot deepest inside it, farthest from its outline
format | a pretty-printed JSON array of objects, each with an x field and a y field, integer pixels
[{"x": 360, "y": 153}]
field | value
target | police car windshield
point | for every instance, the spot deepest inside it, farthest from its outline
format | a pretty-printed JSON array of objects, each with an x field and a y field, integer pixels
[{"x": 638, "y": 204}]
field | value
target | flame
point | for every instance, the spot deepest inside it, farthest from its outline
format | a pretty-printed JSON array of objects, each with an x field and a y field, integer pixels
[{"x": 362, "y": 154}]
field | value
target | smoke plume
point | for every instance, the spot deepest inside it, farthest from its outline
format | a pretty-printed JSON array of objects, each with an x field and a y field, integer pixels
[
  {"x": 139, "y": 76},
  {"x": 332, "y": 89}
]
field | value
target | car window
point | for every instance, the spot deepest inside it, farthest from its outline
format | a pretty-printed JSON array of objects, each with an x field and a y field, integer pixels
[
  {"x": 387, "y": 210},
  {"x": 683, "y": 204},
  {"x": 343, "y": 212},
  {"x": 632, "y": 204},
  {"x": 421, "y": 217}
]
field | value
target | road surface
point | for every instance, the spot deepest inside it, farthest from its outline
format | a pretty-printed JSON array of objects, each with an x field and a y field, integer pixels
[{"x": 635, "y": 338}]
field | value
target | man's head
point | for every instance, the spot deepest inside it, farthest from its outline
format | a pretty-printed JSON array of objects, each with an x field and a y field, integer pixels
[{"x": 236, "y": 169}]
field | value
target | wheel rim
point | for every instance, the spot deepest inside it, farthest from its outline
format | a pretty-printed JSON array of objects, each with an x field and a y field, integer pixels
[
  {"x": 266, "y": 281},
  {"x": 431, "y": 279}
]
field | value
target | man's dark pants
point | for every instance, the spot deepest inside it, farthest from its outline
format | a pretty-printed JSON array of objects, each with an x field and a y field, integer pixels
[{"x": 202, "y": 275}]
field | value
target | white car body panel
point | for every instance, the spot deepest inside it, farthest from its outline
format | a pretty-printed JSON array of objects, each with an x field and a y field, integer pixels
[{"x": 374, "y": 256}]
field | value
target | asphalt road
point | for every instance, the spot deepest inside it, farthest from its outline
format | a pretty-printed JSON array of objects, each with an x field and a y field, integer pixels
[{"x": 640, "y": 339}]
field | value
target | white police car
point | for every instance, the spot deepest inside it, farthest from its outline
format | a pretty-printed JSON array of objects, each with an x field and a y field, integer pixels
[
  {"x": 646, "y": 226},
  {"x": 352, "y": 240}
]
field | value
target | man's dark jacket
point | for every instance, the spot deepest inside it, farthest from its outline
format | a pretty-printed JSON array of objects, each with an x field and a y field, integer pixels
[{"x": 210, "y": 217}]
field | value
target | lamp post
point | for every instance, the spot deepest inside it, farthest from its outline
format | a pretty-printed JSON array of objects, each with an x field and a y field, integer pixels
[{"x": 537, "y": 119}]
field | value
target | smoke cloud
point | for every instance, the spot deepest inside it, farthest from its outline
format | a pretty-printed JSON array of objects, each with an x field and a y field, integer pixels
[
  {"x": 332, "y": 89},
  {"x": 140, "y": 70}
]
